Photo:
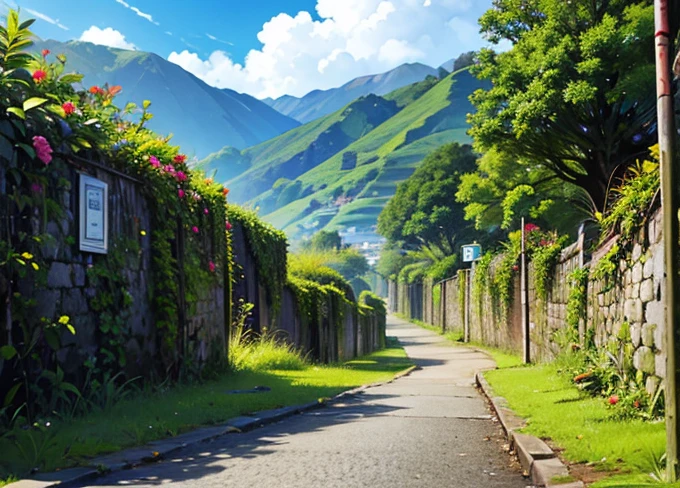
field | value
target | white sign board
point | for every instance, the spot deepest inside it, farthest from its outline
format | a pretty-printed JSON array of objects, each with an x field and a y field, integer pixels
[
  {"x": 94, "y": 222},
  {"x": 471, "y": 252}
]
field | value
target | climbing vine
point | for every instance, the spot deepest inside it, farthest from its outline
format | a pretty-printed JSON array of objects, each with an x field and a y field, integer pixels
[
  {"x": 576, "y": 304},
  {"x": 269, "y": 247}
]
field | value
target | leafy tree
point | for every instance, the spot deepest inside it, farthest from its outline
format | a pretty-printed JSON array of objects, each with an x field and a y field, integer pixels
[
  {"x": 423, "y": 209},
  {"x": 464, "y": 60},
  {"x": 326, "y": 240},
  {"x": 501, "y": 192},
  {"x": 392, "y": 260},
  {"x": 575, "y": 93}
]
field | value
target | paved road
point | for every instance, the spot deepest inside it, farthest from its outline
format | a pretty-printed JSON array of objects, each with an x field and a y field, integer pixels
[{"x": 429, "y": 429}]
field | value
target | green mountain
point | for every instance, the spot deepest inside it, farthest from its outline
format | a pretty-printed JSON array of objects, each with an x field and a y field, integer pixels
[
  {"x": 323, "y": 102},
  {"x": 348, "y": 185},
  {"x": 202, "y": 118},
  {"x": 279, "y": 161}
]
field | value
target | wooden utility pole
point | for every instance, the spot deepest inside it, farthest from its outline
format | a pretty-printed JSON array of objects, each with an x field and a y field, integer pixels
[
  {"x": 669, "y": 202},
  {"x": 524, "y": 278}
]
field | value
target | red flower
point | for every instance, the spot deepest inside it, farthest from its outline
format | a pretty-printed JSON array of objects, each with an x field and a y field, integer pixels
[
  {"x": 614, "y": 399},
  {"x": 95, "y": 90},
  {"x": 180, "y": 159},
  {"x": 39, "y": 75},
  {"x": 531, "y": 227},
  {"x": 69, "y": 108},
  {"x": 515, "y": 268},
  {"x": 45, "y": 52},
  {"x": 225, "y": 191},
  {"x": 227, "y": 225},
  {"x": 636, "y": 403},
  {"x": 211, "y": 265}
]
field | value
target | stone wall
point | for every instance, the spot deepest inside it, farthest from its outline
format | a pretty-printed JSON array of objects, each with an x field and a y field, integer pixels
[
  {"x": 626, "y": 307},
  {"x": 327, "y": 336},
  {"x": 70, "y": 287}
]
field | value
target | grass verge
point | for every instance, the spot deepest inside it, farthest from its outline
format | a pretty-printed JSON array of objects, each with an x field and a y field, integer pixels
[
  {"x": 583, "y": 428},
  {"x": 504, "y": 359},
  {"x": 160, "y": 414}
]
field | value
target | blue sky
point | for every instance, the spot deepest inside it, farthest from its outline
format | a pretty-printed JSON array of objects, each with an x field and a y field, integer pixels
[{"x": 269, "y": 47}]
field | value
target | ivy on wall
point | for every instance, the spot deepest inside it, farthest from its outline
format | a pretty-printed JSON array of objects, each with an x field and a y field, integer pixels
[{"x": 270, "y": 250}]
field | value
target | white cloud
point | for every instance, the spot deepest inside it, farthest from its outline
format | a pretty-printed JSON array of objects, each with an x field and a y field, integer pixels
[
  {"x": 216, "y": 39},
  {"x": 137, "y": 11},
  {"x": 352, "y": 38},
  {"x": 46, "y": 18},
  {"x": 106, "y": 37}
]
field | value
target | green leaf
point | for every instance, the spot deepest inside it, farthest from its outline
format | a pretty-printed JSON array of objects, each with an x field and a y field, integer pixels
[
  {"x": 71, "y": 329},
  {"x": 57, "y": 110},
  {"x": 52, "y": 339},
  {"x": 17, "y": 111},
  {"x": 27, "y": 149},
  {"x": 83, "y": 143},
  {"x": 32, "y": 103},
  {"x": 70, "y": 387},
  {"x": 71, "y": 78},
  {"x": 8, "y": 352},
  {"x": 9, "y": 398},
  {"x": 146, "y": 104}
]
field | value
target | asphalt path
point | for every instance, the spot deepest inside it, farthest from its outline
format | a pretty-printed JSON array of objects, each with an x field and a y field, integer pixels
[{"x": 429, "y": 429}]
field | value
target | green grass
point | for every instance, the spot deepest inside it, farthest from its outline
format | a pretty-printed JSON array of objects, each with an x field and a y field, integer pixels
[
  {"x": 504, "y": 359},
  {"x": 159, "y": 414},
  {"x": 581, "y": 425}
]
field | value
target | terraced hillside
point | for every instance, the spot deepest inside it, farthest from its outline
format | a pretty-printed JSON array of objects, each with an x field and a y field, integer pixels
[
  {"x": 280, "y": 161},
  {"x": 349, "y": 189}
]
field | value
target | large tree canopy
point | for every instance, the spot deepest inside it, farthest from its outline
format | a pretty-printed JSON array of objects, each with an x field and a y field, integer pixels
[
  {"x": 575, "y": 93},
  {"x": 500, "y": 192},
  {"x": 424, "y": 209}
]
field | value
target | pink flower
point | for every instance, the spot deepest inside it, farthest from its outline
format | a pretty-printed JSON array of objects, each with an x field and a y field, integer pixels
[
  {"x": 39, "y": 75},
  {"x": 197, "y": 197},
  {"x": 69, "y": 108},
  {"x": 206, "y": 211},
  {"x": 181, "y": 193},
  {"x": 36, "y": 188},
  {"x": 170, "y": 169},
  {"x": 181, "y": 176},
  {"x": 194, "y": 229},
  {"x": 211, "y": 266},
  {"x": 154, "y": 162},
  {"x": 227, "y": 225},
  {"x": 180, "y": 159},
  {"x": 42, "y": 149}
]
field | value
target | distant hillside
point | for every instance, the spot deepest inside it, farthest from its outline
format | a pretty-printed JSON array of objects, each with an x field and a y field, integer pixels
[
  {"x": 323, "y": 102},
  {"x": 348, "y": 190},
  {"x": 203, "y": 119},
  {"x": 256, "y": 170}
]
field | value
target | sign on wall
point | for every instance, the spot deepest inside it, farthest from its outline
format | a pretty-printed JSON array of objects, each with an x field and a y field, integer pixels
[
  {"x": 94, "y": 225},
  {"x": 471, "y": 252}
]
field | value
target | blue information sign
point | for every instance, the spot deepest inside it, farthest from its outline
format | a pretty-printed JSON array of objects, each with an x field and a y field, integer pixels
[{"x": 471, "y": 252}]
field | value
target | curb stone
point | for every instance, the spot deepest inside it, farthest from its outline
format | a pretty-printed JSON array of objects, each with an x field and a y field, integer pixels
[
  {"x": 536, "y": 457},
  {"x": 158, "y": 450}
]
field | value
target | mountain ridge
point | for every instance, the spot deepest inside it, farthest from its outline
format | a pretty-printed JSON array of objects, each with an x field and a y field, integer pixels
[
  {"x": 202, "y": 118},
  {"x": 319, "y": 103}
]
